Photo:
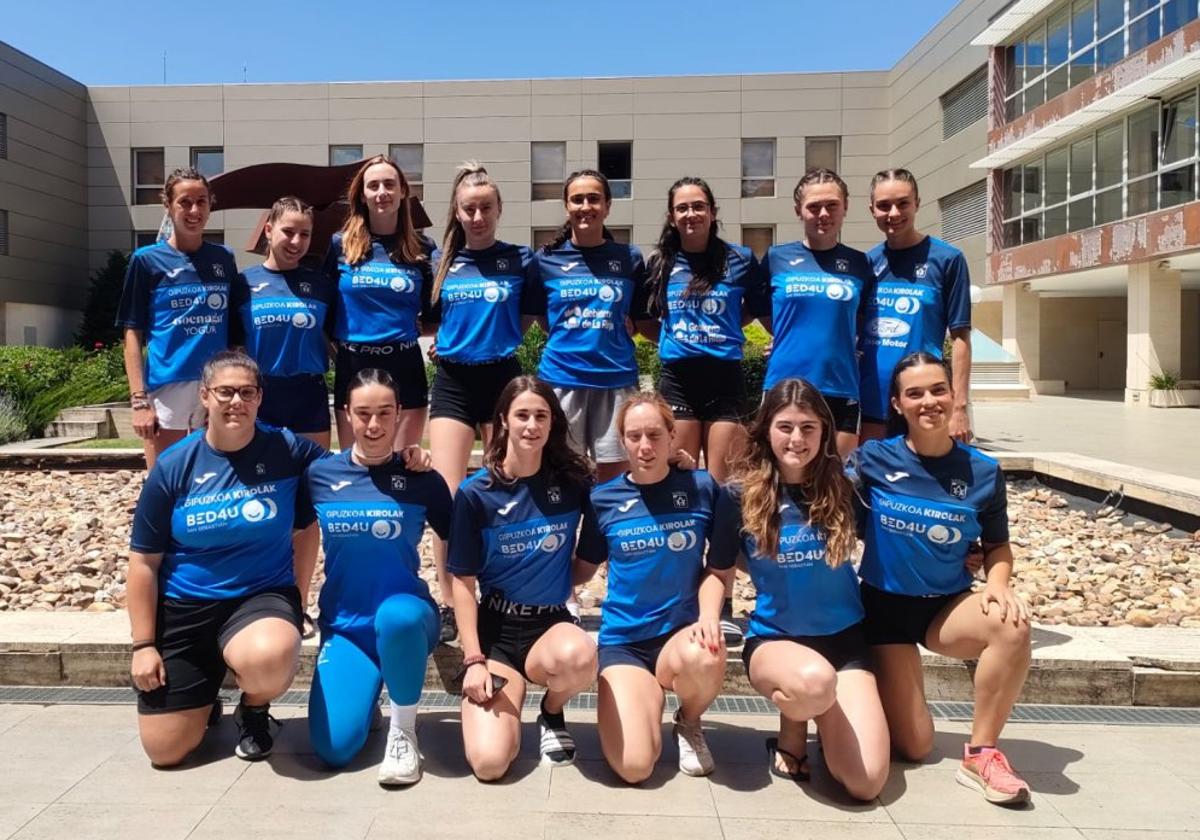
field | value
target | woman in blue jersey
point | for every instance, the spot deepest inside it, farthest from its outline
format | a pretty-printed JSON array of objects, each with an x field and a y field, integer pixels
[
  {"x": 514, "y": 534},
  {"x": 925, "y": 499},
  {"x": 811, "y": 296},
  {"x": 211, "y": 583},
  {"x": 381, "y": 265},
  {"x": 921, "y": 290},
  {"x": 789, "y": 511},
  {"x": 378, "y": 621},
  {"x": 282, "y": 314},
  {"x": 478, "y": 289},
  {"x": 588, "y": 289},
  {"x": 174, "y": 308},
  {"x": 659, "y": 626}
]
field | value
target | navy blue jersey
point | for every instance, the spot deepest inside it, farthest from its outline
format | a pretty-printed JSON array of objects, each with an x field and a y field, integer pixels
[
  {"x": 586, "y": 294},
  {"x": 517, "y": 539},
  {"x": 180, "y": 303},
  {"x": 653, "y": 537},
  {"x": 708, "y": 325},
  {"x": 372, "y": 520},
  {"x": 918, "y": 516},
  {"x": 379, "y": 301},
  {"x": 815, "y": 298},
  {"x": 797, "y": 593},
  {"x": 282, "y": 319},
  {"x": 479, "y": 307},
  {"x": 918, "y": 294},
  {"x": 223, "y": 521}
]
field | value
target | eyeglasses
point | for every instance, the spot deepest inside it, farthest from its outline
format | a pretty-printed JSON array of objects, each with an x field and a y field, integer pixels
[
  {"x": 696, "y": 207},
  {"x": 226, "y": 393}
]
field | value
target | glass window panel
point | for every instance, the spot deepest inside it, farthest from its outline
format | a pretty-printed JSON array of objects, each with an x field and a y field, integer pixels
[
  {"x": 1012, "y": 76},
  {"x": 149, "y": 167},
  {"x": 1136, "y": 7},
  {"x": 341, "y": 155},
  {"x": 1176, "y": 13},
  {"x": 821, "y": 152},
  {"x": 142, "y": 238},
  {"x": 543, "y": 236},
  {"x": 758, "y": 158},
  {"x": 1143, "y": 141},
  {"x": 1110, "y": 151},
  {"x": 1055, "y": 222},
  {"x": 1012, "y": 233},
  {"x": 1179, "y": 129},
  {"x": 1035, "y": 54},
  {"x": 1143, "y": 31},
  {"x": 1056, "y": 82},
  {"x": 621, "y": 234},
  {"x": 1110, "y": 14},
  {"x": 1035, "y": 94},
  {"x": 1012, "y": 192},
  {"x": 545, "y": 191},
  {"x": 1111, "y": 51},
  {"x": 1057, "y": 31},
  {"x": 1079, "y": 214},
  {"x": 1142, "y": 196},
  {"x": 1177, "y": 186},
  {"x": 1031, "y": 229},
  {"x": 758, "y": 187},
  {"x": 1012, "y": 108},
  {"x": 410, "y": 157},
  {"x": 548, "y": 163},
  {"x": 1108, "y": 206},
  {"x": 209, "y": 162},
  {"x": 1083, "y": 21},
  {"x": 1031, "y": 186},
  {"x": 1081, "y": 166},
  {"x": 1056, "y": 178},
  {"x": 1083, "y": 67}
]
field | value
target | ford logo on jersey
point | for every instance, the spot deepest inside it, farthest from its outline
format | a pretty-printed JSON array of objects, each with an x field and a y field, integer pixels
[
  {"x": 259, "y": 510},
  {"x": 908, "y": 305},
  {"x": 682, "y": 540},
  {"x": 216, "y": 301},
  {"x": 888, "y": 328},
  {"x": 402, "y": 284},
  {"x": 385, "y": 529},
  {"x": 304, "y": 321}
]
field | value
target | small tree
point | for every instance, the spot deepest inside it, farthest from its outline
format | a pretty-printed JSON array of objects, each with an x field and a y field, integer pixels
[{"x": 98, "y": 327}]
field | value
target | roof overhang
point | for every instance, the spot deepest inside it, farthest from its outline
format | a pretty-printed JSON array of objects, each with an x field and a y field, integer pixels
[{"x": 1010, "y": 21}]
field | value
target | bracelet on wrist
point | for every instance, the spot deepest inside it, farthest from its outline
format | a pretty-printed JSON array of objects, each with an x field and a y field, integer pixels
[
  {"x": 140, "y": 405},
  {"x": 142, "y": 645}
]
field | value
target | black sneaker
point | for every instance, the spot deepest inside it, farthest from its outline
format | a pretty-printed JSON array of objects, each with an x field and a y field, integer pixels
[
  {"x": 730, "y": 629},
  {"x": 254, "y": 731},
  {"x": 449, "y": 627},
  {"x": 214, "y": 715}
]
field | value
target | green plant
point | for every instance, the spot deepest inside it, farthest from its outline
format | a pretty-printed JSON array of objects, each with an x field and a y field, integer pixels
[
  {"x": 529, "y": 353},
  {"x": 1164, "y": 381},
  {"x": 98, "y": 327},
  {"x": 12, "y": 421},
  {"x": 42, "y": 381}
]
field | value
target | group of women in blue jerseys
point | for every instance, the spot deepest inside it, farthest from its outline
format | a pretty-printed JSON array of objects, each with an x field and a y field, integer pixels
[{"x": 860, "y": 434}]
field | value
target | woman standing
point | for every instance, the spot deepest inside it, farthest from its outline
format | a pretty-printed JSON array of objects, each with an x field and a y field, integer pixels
[
  {"x": 174, "y": 308},
  {"x": 514, "y": 534}
]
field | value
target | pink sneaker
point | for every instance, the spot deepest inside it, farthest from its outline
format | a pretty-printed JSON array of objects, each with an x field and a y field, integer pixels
[{"x": 990, "y": 773}]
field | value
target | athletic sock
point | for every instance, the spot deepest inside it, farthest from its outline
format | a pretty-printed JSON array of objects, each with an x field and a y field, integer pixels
[
  {"x": 976, "y": 750},
  {"x": 555, "y": 720},
  {"x": 404, "y": 717},
  {"x": 727, "y": 608}
]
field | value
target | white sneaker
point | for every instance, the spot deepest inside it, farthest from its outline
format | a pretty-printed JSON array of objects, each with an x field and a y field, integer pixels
[
  {"x": 695, "y": 759},
  {"x": 401, "y": 763}
]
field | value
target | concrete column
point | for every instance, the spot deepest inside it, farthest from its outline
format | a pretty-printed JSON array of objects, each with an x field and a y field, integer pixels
[
  {"x": 1154, "y": 327},
  {"x": 1021, "y": 325}
]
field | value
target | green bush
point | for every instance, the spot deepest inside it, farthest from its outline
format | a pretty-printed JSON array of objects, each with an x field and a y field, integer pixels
[
  {"x": 98, "y": 327},
  {"x": 42, "y": 381},
  {"x": 12, "y": 421}
]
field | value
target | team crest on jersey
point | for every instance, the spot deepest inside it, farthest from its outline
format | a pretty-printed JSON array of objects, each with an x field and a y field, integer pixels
[
  {"x": 680, "y": 499},
  {"x": 260, "y": 469},
  {"x": 306, "y": 288},
  {"x": 841, "y": 265},
  {"x": 399, "y": 482},
  {"x": 958, "y": 488},
  {"x": 554, "y": 494},
  {"x": 218, "y": 270},
  {"x": 922, "y": 270},
  {"x": 614, "y": 266},
  {"x": 502, "y": 265}
]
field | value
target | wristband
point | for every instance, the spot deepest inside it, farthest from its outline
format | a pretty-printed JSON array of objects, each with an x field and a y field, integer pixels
[
  {"x": 477, "y": 659},
  {"x": 142, "y": 645},
  {"x": 140, "y": 405}
]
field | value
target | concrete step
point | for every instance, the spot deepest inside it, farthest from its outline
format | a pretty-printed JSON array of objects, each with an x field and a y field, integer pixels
[{"x": 77, "y": 428}]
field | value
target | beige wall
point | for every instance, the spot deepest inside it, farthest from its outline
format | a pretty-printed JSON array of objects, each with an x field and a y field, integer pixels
[
  {"x": 43, "y": 188},
  {"x": 1070, "y": 338},
  {"x": 987, "y": 318}
]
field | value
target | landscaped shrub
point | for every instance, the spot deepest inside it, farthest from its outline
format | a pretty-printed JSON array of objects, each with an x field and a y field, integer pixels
[
  {"x": 12, "y": 422},
  {"x": 98, "y": 327},
  {"x": 42, "y": 381}
]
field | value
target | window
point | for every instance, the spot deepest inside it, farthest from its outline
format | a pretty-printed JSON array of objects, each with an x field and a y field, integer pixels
[
  {"x": 965, "y": 103},
  {"x": 209, "y": 162},
  {"x": 621, "y": 234},
  {"x": 149, "y": 175},
  {"x": 543, "y": 236},
  {"x": 822, "y": 153},
  {"x": 964, "y": 213},
  {"x": 758, "y": 168},
  {"x": 3, "y": 233},
  {"x": 758, "y": 239},
  {"x": 3, "y": 136},
  {"x": 341, "y": 155},
  {"x": 616, "y": 163},
  {"x": 142, "y": 238},
  {"x": 410, "y": 157},
  {"x": 216, "y": 237},
  {"x": 548, "y": 168}
]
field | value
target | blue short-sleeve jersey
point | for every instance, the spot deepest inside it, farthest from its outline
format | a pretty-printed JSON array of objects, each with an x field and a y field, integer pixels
[
  {"x": 917, "y": 295},
  {"x": 223, "y": 521},
  {"x": 654, "y": 537},
  {"x": 815, "y": 300},
  {"x": 920, "y": 515},
  {"x": 797, "y": 593},
  {"x": 586, "y": 294},
  {"x": 372, "y": 520},
  {"x": 180, "y": 303},
  {"x": 708, "y": 325},
  {"x": 517, "y": 539},
  {"x": 282, "y": 318},
  {"x": 479, "y": 305},
  {"x": 379, "y": 300}
]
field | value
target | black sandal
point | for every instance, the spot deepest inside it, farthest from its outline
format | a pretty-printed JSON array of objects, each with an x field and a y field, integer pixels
[{"x": 802, "y": 768}]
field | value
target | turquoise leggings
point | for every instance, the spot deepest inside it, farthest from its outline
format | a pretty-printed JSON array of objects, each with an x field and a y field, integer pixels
[{"x": 351, "y": 672}]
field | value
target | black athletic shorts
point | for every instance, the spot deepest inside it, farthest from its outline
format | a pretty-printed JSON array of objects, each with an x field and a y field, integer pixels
[
  {"x": 643, "y": 654},
  {"x": 845, "y": 413},
  {"x": 704, "y": 389},
  {"x": 508, "y": 630},
  {"x": 468, "y": 393},
  {"x": 900, "y": 619},
  {"x": 299, "y": 403},
  {"x": 403, "y": 361},
  {"x": 191, "y": 635},
  {"x": 845, "y": 650}
]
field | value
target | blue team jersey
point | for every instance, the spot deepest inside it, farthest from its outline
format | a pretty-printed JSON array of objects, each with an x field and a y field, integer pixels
[
  {"x": 797, "y": 593},
  {"x": 918, "y": 516},
  {"x": 180, "y": 303},
  {"x": 708, "y": 325},
  {"x": 653, "y": 537},
  {"x": 379, "y": 300},
  {"x": 282, "y": 319},
  {"x": 586, "y": 294},
  {"x": 372, "y": 520},
  {"x": 223, "y": 521},
  {"x": 918, "y": 294},
  {"x": 479, "y": 305},
  {"x": 517, "y": 539},
  {"x": 814, "y": 300}
]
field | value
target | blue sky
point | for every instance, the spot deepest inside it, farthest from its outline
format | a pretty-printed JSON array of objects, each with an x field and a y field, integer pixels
[{"x": 100, "y": 42}]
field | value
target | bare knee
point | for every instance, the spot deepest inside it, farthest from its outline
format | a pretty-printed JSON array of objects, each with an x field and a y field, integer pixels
[
  {"x": 490, "y": 763},
  {"x": 914, "y": 746},
  {"x": 698, "y": 659},
  {"x": 635, "y": 770},
  {"x": 810, "y": 689},
  {"x": 866, "y": 787},
  {"x": 170, "y": 752},
  {"x": 577, "y": 657},
  {"x": 1014, "y": 637}
]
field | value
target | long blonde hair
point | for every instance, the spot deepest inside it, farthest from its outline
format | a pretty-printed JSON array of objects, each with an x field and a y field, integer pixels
[
  {"x": 356, "y": 230},
  {"x": 472, "y": 174},
  {"x": 825, "y": 486}
]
